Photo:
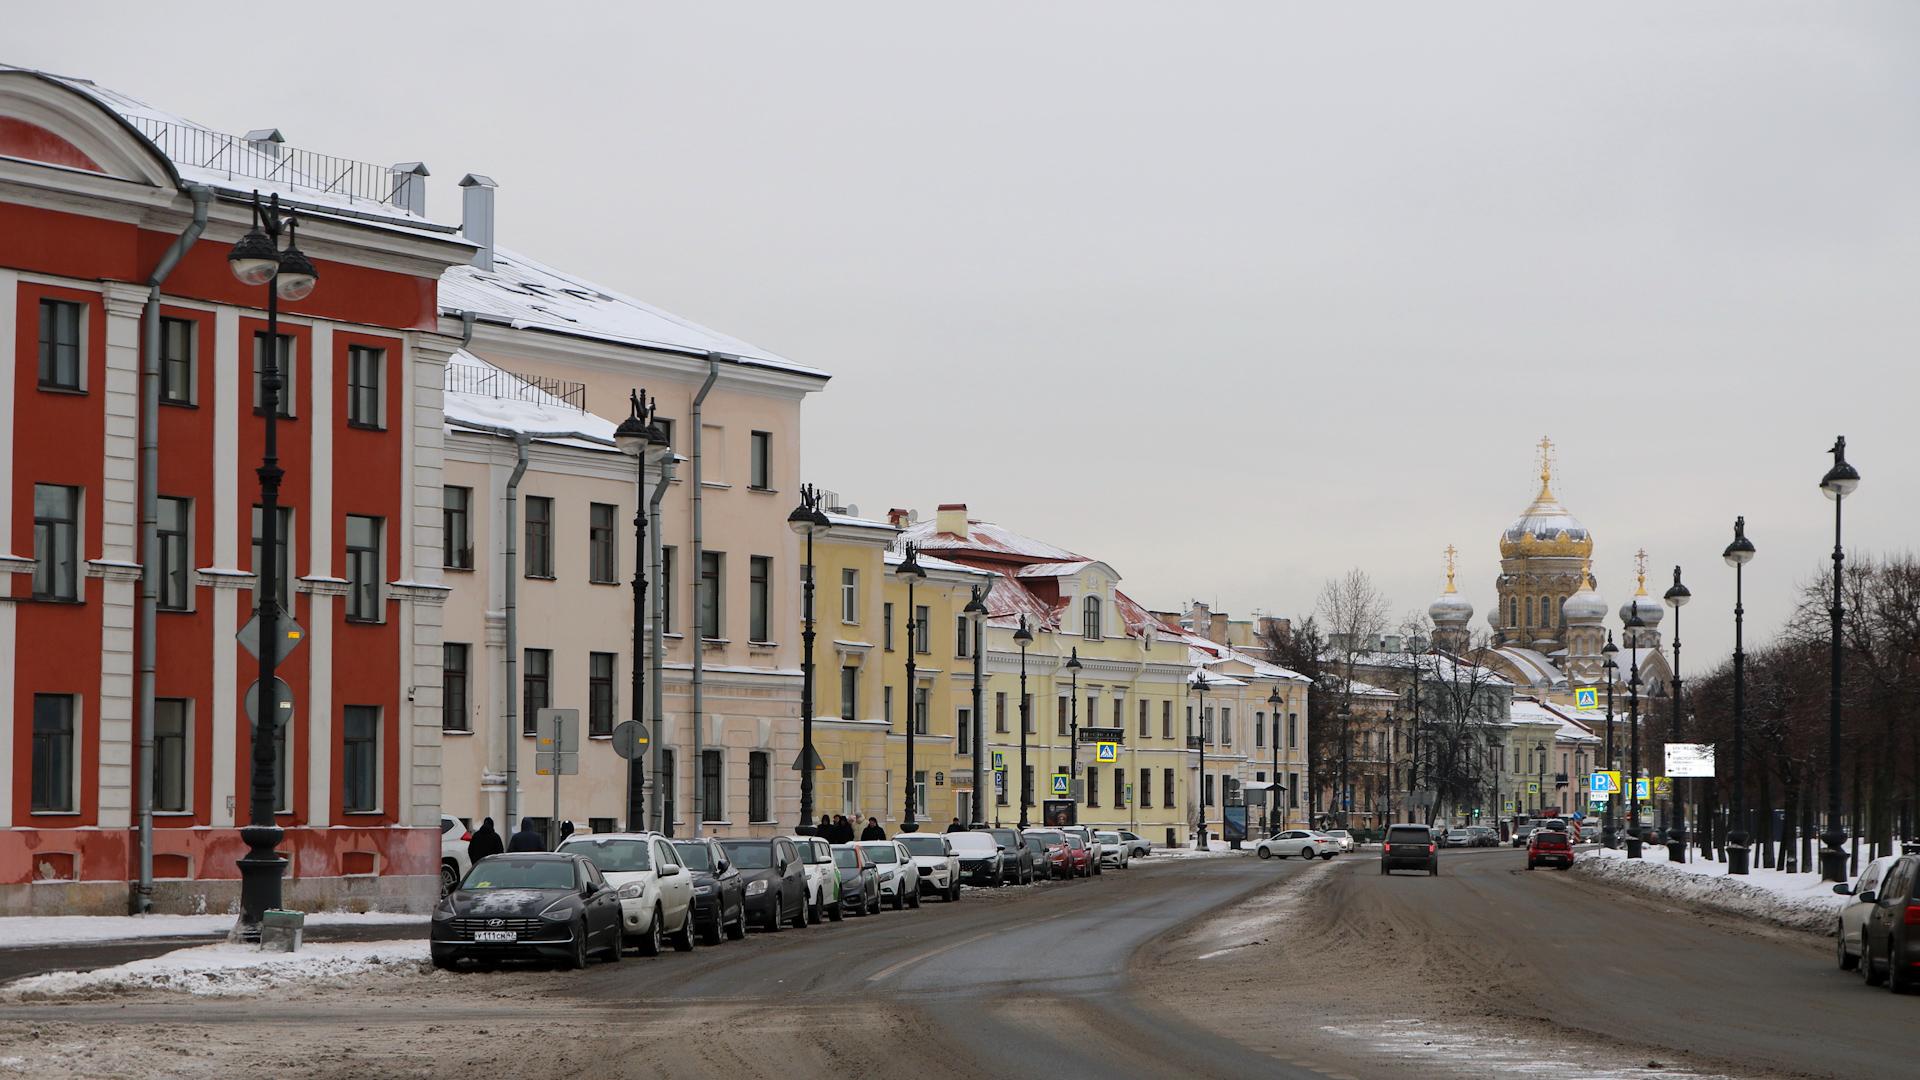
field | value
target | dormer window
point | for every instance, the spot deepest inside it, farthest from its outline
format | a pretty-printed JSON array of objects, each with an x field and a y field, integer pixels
[{"x": 1090, "y": 618}]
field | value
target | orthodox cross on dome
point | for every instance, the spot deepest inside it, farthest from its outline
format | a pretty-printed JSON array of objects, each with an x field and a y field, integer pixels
[
  {"x": 1451, "y": 553},
  {"x": 1546, "y": 463},
  {"x": 1640, "y": 568}
]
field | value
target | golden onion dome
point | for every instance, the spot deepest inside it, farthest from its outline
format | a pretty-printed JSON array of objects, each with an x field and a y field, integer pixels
[{"x": 1546, "y": 527}]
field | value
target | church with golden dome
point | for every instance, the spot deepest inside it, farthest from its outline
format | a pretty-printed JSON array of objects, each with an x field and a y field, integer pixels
[{"x": 1548, "y": 623}]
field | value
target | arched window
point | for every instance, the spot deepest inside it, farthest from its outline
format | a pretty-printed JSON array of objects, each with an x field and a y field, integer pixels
[
  {"x": 1513, "y": 611},
  {"x": 1529, "y": 611},
  {"x": 1090, "y": 619}
]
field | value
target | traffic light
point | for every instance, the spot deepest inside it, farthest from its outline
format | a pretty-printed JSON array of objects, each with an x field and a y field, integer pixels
[{"x": 1476, "y": 813}]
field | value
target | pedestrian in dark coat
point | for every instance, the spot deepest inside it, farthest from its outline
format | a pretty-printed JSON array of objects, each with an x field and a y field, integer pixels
[
  {"x": 842, "y": 830},
  {"x": 825, "y": 830},
  {"x": 566, "y": 830},
  {"x": 486, "y": 841},
  {"x": 955, "y": 826},
  {"x": 873, "y": 831},
  {"x": 528, "y": 838}
]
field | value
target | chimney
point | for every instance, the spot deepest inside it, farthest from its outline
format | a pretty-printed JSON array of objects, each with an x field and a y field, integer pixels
[
  {"x": 899, "y": 518},
  {"x": 476, "y": 216},
  {"x": 266, "y": 141},
  {"x": 410, "y": 186},
  {"x": 952, "y": 518}
]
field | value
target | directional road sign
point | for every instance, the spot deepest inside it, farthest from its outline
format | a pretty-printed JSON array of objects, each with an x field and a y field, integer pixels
[
  {"x": 630, "y": 739},
  {"x": 1106, "y": 752},
  {"x": 282, "y": 710},
  {"x": 1062, "y": 784},
  {"x": 1586, "y": 698},
  {"x": 288, "y": 633}
]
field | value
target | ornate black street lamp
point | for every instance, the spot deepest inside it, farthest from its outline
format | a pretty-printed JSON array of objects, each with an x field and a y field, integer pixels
[
  {"x": 1608, "y": 834},
  {"x": 976, "y": 613},
  {"x": 1633, "y": 625},
  {"x": 807, "y": 520},
  {"x": 1738, "y": 555},
  {"x": 910, "y": 572},
  {"x": 259, "y": 259},
  {"x": 1274, "y": 704},
  {"x": 1676, "y": 598},
  {"x": 1199, "y": 742},
  {"x": 639, "y": 436},
  {"x": 1073, "y": 729},
  {"x": 1023, "y": 637},
  {"x": 1839, "y": 483}
]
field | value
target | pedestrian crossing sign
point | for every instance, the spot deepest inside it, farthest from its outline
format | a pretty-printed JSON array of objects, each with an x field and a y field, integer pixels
[
  {"x": 1062, "y": 784},
  {"x": 1106, "y": 752},
  {"x": 1586, "y": 698},
  {"x": 1642, "y": 789},
  {"x": 999, "y": 760},
  {"x": 1533, "y": 787}
]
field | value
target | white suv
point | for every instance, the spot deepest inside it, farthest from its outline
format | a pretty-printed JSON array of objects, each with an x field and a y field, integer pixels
[
  {"x": 823, "y": 878},
  {"x": 899, "y": 878},
  {"x": 939, "y": 867},
  {"x": 656, "y": 891},
  {"x": 454, "y": 860}
]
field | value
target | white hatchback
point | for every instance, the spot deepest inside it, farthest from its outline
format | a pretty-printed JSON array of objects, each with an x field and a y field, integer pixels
[
  {"x": 939, "y": 867},
  {"x": 823, "y": 878},
  {"x": 656, "y": 891},
  {"x": 1852, "y": 928},
  {"x": 899, "y": 878}
]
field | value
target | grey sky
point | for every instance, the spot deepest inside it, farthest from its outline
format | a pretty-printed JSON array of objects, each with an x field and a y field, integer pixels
[{"x": 1234, "y": 296}]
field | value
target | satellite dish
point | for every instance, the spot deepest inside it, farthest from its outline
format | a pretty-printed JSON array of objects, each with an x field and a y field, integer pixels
[
  {"x": 913, "y": 517},
  {"x": 852, "y": 510}
]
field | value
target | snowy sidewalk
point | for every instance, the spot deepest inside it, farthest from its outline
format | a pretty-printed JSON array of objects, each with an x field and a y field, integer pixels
[
  {"x": 34, "y": 930},
  {"x": 1796, "y": 901},
  {"x": 227, "y": 970}
]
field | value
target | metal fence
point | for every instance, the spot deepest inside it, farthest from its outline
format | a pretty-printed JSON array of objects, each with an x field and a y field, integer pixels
[
  {"x": 509, "y": 386},
  {"x": 234, "y": 155}
]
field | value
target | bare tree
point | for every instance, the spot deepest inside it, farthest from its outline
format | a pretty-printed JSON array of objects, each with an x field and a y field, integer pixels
[
  {"x": 1300, "y": 646},
  {"x": 1353, "y": 613}
]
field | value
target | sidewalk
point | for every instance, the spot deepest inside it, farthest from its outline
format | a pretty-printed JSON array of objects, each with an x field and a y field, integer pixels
[{"x": 30, "y": 945}]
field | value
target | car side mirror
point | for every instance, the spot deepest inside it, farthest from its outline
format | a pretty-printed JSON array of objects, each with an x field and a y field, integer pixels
[
  {"x": 670, "y": 870},
  {"x": 1843, "y": 889},
  {"x": 1000, "y": 848},
  {"x": 1869, "y": 897}
]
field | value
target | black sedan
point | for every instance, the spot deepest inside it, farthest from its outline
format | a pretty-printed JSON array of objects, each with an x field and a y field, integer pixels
[
  {"x": 528, "y": 905},
  {"x": 719, "y": 893},
  {"x": 859, "y": 880},
  {"x": 776, "y": 881}
]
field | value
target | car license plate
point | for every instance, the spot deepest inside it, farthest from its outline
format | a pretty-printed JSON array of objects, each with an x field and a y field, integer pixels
[{"x": 507, "y": 936}]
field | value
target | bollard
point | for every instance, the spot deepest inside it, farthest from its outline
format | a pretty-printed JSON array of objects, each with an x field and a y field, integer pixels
[{"x": 280, "y": 931}]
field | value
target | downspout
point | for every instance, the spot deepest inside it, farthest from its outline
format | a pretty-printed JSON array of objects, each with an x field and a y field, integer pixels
[
  {"x": 149, "y": 603},
  {"x": 694, "y": 571},
  {"x": 656, "y": 602}
]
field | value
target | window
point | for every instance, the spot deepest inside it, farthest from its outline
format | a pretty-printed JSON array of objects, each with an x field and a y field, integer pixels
[
  {"x": 539, "y": 537},
  {"x": 1119, "y": 711},
  {"x": 1026, "y": 786},
  {"x": 886, "y": 626},
  {"x": 1060, "y": 724},
  {"x": 360, "y": 760},
  {"x": 668, "y": 783},
  {"x": 456, "y": 528},
  {"x": 1259, "y": 730},
  {"x": 850, "y": 788},
  {"x": 850, "y": 597},
  {"x": 1166, "y": 719},
  {"x": 284, "y": 358},
  {"x": 59, "y": 345},
  {"x": 170, "y": 755},
  {"x": 174, "y": 516},
  {"x": 1000, "y": 712},
  {"x": 711, "y": 806},
  {"x": 56, "y": 542},
  {"x": 1189, "y": 721},
  {"x": 962, "y": 637},
  {"x": 665, "y": 592},
  {"x": 600, "y": 693},
  {"x": 53, "y": 763},
  {"x": 922, "y": 629},
  {"x": 1119, "y": 789},
  {"x": 849, "y": 692},
  {"x": 886, "y": 706},
  {"x": 1513, "y": 611},
  {"x": 603, "y": 546},
  {"x": 282, "y": 552},
  {"x": 963, "y": 725},
  {"x": 1166, "y": 788},
  {"x": 711, "y": 602},
  {"x": 1093, "y": 787},
  {"x": 1206, "y": 790},
  {"x": 536, "y": 686},
  {"x": 759, "y": 787},
  {"x": 453, "y": 687},
  {"x": 1090, "y": 619},
  {"x": 1000, "y": 787},
  {"x": 599, "y": 825},
  {"x": 363, "y": 569},
  {"x": 919, "y": 710},
  {"x": 1144, "y": 795},
  {"x": 176, "y": 361},
  {"x": 1146, "y": 723},
  {"x": 1226, "y": 725},
  {"x": 1293, "y": 730},
  {"x": 760, "y": 474},
  {"x": 364, "y": 365},
  {"x": 1293, "y": 789},
  {"x": 760, "y": 598},
  {"x": 1092, "y": 714}
]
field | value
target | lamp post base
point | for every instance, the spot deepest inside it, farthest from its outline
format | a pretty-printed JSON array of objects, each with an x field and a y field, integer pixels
[
  {"x": 262, "y": 870},
  {"x": 1676, "y": 845},
  {"x": 1833, "y": 859},
  {"x": 1609, "y": 837},
  {"x": 1633, "y": 845},
  {"x": 1737, "y": 853},
  {"x": 911, "y": 826}
]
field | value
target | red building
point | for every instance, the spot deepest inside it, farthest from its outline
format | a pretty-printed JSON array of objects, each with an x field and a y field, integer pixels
[{"x": 95, "y": 189}]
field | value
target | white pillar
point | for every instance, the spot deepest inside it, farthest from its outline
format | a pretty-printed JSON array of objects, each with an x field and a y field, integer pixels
[
  {"x": 233, "y": 389},
  {"x": 116, "y": 564},
  {"x": 317, "y": 710}
]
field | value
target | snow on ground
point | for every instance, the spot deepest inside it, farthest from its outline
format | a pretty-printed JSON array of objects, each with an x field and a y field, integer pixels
[
  {"x": 1798, "y": 901},
  {"x": 1442, "y": 1047},
  {"x": 27, "y": 930},
  {"x": 228, "y": 970},
  {"x": 1214, "y": 848}
]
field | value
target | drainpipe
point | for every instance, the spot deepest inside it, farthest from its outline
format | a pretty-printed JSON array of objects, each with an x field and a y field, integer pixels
[
  {"x": 149, "y": 601},
  {"x": 655, "y": 614},
  {"x": 466, "y": 328},
  {"x": 699, "y": 584}
]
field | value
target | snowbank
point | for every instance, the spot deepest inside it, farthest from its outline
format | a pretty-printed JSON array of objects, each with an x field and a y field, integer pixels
[
  {"x": 27, "y": 930},
  {"x": 228, "y": 970},
  {"x": 1796, "y": 901},
  {"x": 1214, "y": 848}
]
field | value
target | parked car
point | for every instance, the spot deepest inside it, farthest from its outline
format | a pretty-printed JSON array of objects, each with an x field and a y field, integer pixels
[
  {"x": 1409, "y": 847},
  {"x": 1344, "y": 837},
  {"x": 939, "y": 867},
  {"x": 1305, "y": 843},
  {"x": 1138, "y": 847},
  {"x": 1113, "y": 851},
  {"x": 656, "y": 892},
  {"x": 1016, "y": 855},
  {"x": 899, "y": 879},
  {"x": 541, "y": 904},
  {"x": 1085, "y": 862},
  {"x": 776, "y": 881},
  {"x": 1521, "y": 835},
  {"x": 1550, "y": 847},
  {"x": 859, "y": 880},
  {"x": 1457, "y": 838},
  {"x": 1086, "y": 839},
  {"x": 1483, "y": 836},
  {"x": 719, "y": 894},
  {"x": 1051, "y": 858},
  {"x": 454, "y": 860},
  {"x": 981, "y": 859},
  {"x": 823, "y": 879},
  {"x": 1851, "y": 926},
  {"x": 1891, "y": 948}
]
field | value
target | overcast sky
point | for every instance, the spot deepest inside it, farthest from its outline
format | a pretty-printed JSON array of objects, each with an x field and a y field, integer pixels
[{"x": 1233, "y": 296}]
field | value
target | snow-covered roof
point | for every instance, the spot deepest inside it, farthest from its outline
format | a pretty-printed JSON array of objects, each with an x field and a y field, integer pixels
[
  {"x": 927, "y": 562},
  {"x": 989, "y": 540},
  {"x": 1054, "y": 569},
  {"x": 1433, "y": 665},
  {"x": 1533, "y": 666},
  {"x": 1528, "y": 711},
  {"x": 517, "y": 406},
  {"x": 525, "y": 294},
  {"x": 1214, "y": 678}
]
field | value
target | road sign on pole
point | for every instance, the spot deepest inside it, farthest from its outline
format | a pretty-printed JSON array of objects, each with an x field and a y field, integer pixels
[
  {"x": 1106, "y": 752},
  {"x": 999, "y": 760},
  {"x": 556, "y": 754},
  {"x": 282, "y": 706},
  {"x": 630, "y": 739},
  {"x": 1643, "y": 789},
  {"x": 1062, "y": 784},
  {"x": 288, "y": 633},
  {"x": 1604, "y": 783},
  {"x": 1586, "y": 698}
]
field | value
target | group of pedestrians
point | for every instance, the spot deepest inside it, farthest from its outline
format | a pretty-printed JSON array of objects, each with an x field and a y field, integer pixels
[
  {"x": 836, "y": 829},
  {"x": 486, "y": 840}
]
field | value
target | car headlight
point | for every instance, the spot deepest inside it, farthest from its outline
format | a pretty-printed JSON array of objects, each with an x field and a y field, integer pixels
[
  {"x": 703, "y": 890},
  {"x": 443, "y": 911},
  {"x": 755, "y": 888},
  {"x": 633, "y": 890},
  {"x": 561, "y": 910}
]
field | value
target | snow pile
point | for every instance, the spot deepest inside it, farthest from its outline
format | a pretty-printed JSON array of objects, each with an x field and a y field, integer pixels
[
  {"x": 1215, "y": 848},
  {"x": 1796, "y": 901},
  {"x": 25, "y": 930},
  {"x": 228, "y": 970}
]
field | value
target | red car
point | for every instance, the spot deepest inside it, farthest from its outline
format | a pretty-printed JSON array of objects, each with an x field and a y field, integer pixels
[
  {"x": 1550, "y": 847},
  {"x": 1058, "y": 860},
  {"x": 1082, "y": 857}
]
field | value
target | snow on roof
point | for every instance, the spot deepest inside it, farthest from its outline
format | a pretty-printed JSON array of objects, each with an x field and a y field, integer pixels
[
  {"x": 990, "y": 540},
  {"x": 525, "y": 294},
  {"x": 1534, "y": 665},
  {"x": 520, "y": 406},
  {"x": 1054, "y": 569},
  {"x": 1433, "y": 665},
  {"x": 1214, "y": 678},
  {"x": 928, "y": 562},
  {"x": 1528, "y": 711},
  {"x": 1007, "y": 600}
]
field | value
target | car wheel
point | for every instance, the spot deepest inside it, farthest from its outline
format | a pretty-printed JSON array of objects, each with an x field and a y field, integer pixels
[
  {"x": 1898, "y": 979},
  {"x": 683, "y": 941},
  {"x": 711, "y": 934},
  {"x": 578, "y": 960},
  {"x": 899, "y": 897},
  {"x": 655, "y": 942},
  {"x": 1306, "y": 853},
  {"x": 1848, "y": 961},
  {"x": 813, "y": 911},
  {"x": 738, "y": 930},
  {"x": 914, "y": 900},
  {"x": 619, "y": 943},
  {"x": 444, "y": 961},
  {"x": 874, "y": 905},
  {"x": 1264, "y": 852},
  {"x": 1434, "y": 870},
  {"x": 449, "y": 877},
  {"x": 1870, "y": 971},
  {"x": 834, "y": 914},
  {"x": 1530, "y": 861},
  {"x": 1326, "y": 855},
  {"x": 953, "y": 892},
  {"x": 800, "y": 915}
]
